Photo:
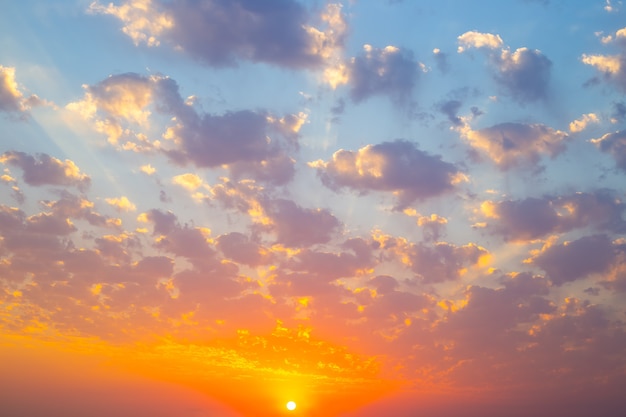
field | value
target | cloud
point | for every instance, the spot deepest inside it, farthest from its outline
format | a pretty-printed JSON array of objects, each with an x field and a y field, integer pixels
[
  {"x": 398, "y": 167},
  {"x": 619, "y": 112},
  {"x": 581, "y": 124},
  {"x": 441, "y": 59},
  {"x": 122, "y": 103},
  {"x": 47, "y": 223},
  {"x": 189, "y": 181},
  {"x": 524, "y": 74},
  {"x": 218, "y": 33},
  {"x": 474, "y": 39},
  {"x": 235, "y": 137},
  {"x": 441, "y": 262},
  {"x": 578, "y": 259},
  {"x": 612, "y": 8},
  {"x": 611, "y": 67},
  {"x": 390, "y": 71},
  {"x": 450, "y": 108},
  {"x": 121, "y": 203},
  {"x": 248, "y": 143},
  {"x": 296, "y": 226},
  {"x": 12, "y": 100},
  {"x": 181, "y": 240},
  {"x": 433, "y": 226},
  {"x": 511, "y": 145},
  {"x": 239, "y": 248},
  {"x": 615, "y": 145},
  {"x": 46, "y": 170},
  {"x": 484, "y": 325},
  {"x": 143, "y": 23},
  {"x": 354, "y": 258},
  {"x": 72, "y": 206},
  {"x": 148, "y": 169},
  {"x": 533, "y": 218}
]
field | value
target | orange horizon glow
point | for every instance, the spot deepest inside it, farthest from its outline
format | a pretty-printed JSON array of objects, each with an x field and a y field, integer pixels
[{"x": 249, "y": 374}]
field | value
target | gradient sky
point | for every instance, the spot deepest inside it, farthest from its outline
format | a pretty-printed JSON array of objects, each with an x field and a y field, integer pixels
[{"x": 369, "y": 207}]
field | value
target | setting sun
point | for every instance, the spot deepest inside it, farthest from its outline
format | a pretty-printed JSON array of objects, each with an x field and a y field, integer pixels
[{"x": 291, "y": 406}]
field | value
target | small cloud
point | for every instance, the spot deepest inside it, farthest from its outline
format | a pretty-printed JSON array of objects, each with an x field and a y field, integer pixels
[
  {"x": 615, "y": 145},
  {"x": 474, "y": 39},
  {"x": 188, "y": 181},
  {"x": 612, "y": 7},
  {"x": 579, "y": 125},
  {"x": 121, "y": 203},
  {"x": 12, "y": 100},
  {"x": 441, "y": 59},
  {"x": 451, "y": 108},
  {"x": 148, "y": 169}
]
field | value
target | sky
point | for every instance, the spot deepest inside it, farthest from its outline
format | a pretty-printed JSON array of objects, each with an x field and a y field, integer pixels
[{"x": 368, "y": 207}]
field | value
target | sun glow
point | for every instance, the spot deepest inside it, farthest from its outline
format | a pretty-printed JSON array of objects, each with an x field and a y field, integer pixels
[{"x": 291, "y": 406}]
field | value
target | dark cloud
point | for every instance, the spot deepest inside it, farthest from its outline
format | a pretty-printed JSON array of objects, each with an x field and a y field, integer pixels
[
  {"x": 212, "y": 141},
  {"x": 180, "y": 240},
  {"x": 398, "y": 167},
  {"x": 49, "y": 224},
  {"x": 46, "y": 170},
  {"x": 443, "y": 261},
  {"x": 296, "y": 226},
  {"x": 615, "y": 145},
  {"x": 389, "y": 71},
  {"x": 525, "y": 74},
  {"x": 450, "y": 109},
  {"x": 578, "y": 259},
  {"x": 329, "y": 266},
  {"x": 239, "y": 248},
  {"x": 533, "y": 218},
  {"x": 222, "y": 33},
  {"x": 619, "y": 112}
]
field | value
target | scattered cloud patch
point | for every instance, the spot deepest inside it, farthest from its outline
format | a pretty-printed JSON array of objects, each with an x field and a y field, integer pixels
[
  {"x": 390, "y": 71},
  {"x": 511, "y": 145},
  {"x": 396, "y": 167},
  {"x": 44, "y": 169},
  {"x": 524, "y": 73},
  {"x": 581, "y": 124},
  {"x": 615, "y": 145}
]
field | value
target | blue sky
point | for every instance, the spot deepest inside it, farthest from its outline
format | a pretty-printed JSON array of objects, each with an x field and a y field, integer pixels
[{"x": 434, "y": 188}]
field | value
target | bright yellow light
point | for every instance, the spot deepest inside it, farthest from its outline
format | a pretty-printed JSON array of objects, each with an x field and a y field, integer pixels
[{"x": 291, "y": 406}]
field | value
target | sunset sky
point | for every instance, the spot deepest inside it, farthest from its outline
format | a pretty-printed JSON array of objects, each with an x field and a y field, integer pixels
[{"x": 368, "y": 207}]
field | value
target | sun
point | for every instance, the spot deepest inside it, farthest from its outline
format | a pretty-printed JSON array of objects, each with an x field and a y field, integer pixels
[{"x": 291, "y": 406}]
